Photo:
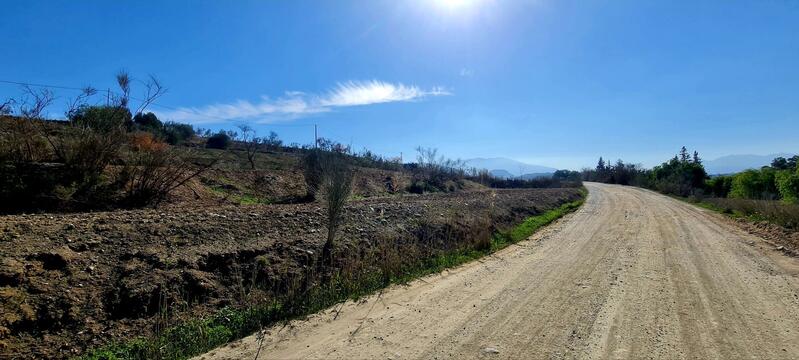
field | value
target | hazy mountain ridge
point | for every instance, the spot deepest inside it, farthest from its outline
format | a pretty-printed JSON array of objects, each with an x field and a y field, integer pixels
[
  {"x": 739, "y": 162},
  {"x": 509, "y": 168}
]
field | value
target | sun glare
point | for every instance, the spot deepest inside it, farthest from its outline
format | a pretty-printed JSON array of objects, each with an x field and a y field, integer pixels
[{"x": 454, "y": 4}]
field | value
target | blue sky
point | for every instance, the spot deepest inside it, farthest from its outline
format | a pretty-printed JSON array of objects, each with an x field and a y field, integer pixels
[{"x": 555, "y": 83}]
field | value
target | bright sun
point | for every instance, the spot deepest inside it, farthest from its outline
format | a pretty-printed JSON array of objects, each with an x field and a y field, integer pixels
[{"x": 454, "y": 4}]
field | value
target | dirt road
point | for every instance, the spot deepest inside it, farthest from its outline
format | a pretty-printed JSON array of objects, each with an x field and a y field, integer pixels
[{"x": 632, "y": 274}]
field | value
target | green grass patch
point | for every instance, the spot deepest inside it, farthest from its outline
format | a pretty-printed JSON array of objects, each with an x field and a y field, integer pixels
[{"x": 201, "y": 335}]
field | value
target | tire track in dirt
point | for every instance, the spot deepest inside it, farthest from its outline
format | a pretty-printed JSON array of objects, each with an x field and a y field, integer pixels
[{"x": 632, "y": 274}]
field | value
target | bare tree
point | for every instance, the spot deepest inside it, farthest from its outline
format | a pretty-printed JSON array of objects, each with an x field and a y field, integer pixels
[
  {"x": 7, "y": 107},
  {"x": 251, "y": 142},
  {"x": 24, "y": 143}
]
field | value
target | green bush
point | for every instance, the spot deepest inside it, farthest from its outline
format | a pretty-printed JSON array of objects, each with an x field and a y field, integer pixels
[
  {"x": 719, "y": 186},
  {"x": 102, "y": 119},
  {"x": 148, "y": 122},
  {"x": 755, "y": 184},
  {"x": 177, "y": 133},
  {"x": 788, "y": 186}
]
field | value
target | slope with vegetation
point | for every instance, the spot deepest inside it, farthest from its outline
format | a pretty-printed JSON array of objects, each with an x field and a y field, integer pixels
[{"x": 149, "y": 239}]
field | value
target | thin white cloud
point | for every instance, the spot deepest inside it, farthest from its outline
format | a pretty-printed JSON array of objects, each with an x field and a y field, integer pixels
[
  {"x": 466, "y": 72},
  {"x": 296, "y": 104}
]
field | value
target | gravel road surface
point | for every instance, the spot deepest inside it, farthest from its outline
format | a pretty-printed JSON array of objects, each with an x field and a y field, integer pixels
[{"x": 632, "y": 274}]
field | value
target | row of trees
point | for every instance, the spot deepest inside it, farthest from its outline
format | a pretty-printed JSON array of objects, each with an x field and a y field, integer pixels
[
  {"x": 779, "y": 181},
  {"x": 684, "y": 175}
]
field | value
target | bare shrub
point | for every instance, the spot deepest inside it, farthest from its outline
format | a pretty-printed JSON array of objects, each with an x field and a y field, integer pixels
[
  {"x": 336, "y": 186},
  {"x": 312, "y": 172},
  {"x": 251, "y": 143},
  {"x": 153, "y": 170}
]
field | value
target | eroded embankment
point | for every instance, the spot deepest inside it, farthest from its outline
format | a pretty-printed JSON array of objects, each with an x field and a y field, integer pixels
[{"x": 76, "y": 281}]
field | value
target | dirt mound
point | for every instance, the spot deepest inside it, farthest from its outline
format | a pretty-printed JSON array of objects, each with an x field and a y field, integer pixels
[{"x": 74, "y": 281}]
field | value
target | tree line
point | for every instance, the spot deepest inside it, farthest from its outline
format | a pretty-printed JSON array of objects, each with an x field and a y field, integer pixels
[{"x": 685, "y": 175}]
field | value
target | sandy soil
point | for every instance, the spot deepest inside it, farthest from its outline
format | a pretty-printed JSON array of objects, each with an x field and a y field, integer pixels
[{"x": 632, "y": 274}]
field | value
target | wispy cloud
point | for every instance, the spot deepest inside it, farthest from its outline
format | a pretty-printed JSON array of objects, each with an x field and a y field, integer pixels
[{"x": 296, "y": 104}]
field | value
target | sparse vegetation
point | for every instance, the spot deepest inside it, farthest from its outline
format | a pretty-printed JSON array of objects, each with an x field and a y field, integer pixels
[{"x": 389, "y": 261}]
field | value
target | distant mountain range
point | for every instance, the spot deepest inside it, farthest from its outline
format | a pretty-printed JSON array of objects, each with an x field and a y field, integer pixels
[
  {"x": 508, "y": 168},
  {"x": 736, "y": 163}
]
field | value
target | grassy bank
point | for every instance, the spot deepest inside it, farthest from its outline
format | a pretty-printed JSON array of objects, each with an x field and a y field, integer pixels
[
  {"x": 201, "y": 335},
  {"x": 772, "y": 211}
]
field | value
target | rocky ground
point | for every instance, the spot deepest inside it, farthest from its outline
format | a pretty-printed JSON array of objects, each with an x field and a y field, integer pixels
[{"x": 69, "y": 282}]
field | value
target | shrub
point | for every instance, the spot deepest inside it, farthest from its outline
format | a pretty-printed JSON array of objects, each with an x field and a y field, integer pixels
[
  {"x": 788, "y": 186},
  {"x": 755, "y": 184},
  {"x": 153, "y": 170},
  {"x": 719, "y": 186},
  {"x": 177, "y": 133},
  {"x": 220, "y": 140},
  {"x": 336, "y": 185},
  {"x": 102, "y": 119},
  {"x": 312, "y": 172},
  {"x": 148, "y": 122}
]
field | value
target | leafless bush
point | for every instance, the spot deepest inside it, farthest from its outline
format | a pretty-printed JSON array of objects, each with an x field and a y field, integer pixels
[
  {"x": 336, "y": 186},
  {"x": 22, "y": 141},
  {"x": 251, "y": 143},
  {"x": 153, "y": 170},
  {"x": 312, "y": 172}
]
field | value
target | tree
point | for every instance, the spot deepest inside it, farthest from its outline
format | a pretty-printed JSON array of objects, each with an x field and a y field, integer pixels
[
  {"x": 148, "y": 122},
  {"x": 273, "y": 141},
  {"x": 177, "y": 133},
  {"x": 7, "y": 107},
  {"x": 788, "y": 186},
  {"x": 696, "y": 158},
  {"x": 251, "y": 143},
  {"x": 600, "y": 166},
  {"x": 683, "y": 154},
  {"x": 755, "y": 184},
  {"x": 779, "y": 163}
]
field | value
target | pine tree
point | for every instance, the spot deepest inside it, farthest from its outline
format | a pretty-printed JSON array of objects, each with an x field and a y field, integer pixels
[
  {"x": 683, "y": 154},
  {"x": 600, "y": 166},
  {"x": 696, "y": 159}
]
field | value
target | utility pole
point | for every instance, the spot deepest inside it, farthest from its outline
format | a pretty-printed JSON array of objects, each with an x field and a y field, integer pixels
[{"x": 315, "y": 138}]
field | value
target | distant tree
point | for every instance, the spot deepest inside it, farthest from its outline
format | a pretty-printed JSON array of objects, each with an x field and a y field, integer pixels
[
  {"x": 696, "y": 159},
  {"x": 177, "y": 133},
  {"x": 600, "y": 166},
  {"x": 793, "y": 161},
  {"x": 683, "y": 154},
  {"x": 755, "y": 184},
  {"x": 779, "y": 163},
  {"x": 220, "y": 140},
  {"x": 251, "y": 143},
  {"x": 7, "y": 107},
  {"x": 273, "y": 141},
  {"x": 148, "y": 122}
]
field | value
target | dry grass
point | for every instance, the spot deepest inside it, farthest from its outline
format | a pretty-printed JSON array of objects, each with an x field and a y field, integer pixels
[{"x": 786, "y": 215}]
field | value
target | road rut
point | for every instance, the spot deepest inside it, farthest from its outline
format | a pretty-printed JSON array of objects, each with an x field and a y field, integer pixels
[{"x": 632, "y": 274}]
